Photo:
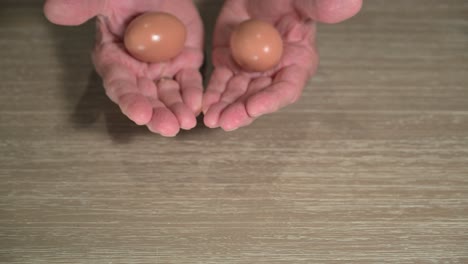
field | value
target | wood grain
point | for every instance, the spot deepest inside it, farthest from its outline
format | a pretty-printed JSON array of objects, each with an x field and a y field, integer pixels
[{"x": 371, "y": 166}]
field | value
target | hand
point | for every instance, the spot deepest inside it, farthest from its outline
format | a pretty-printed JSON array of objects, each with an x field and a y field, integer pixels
[
  {"x": 235, "y": 97},
  {"x": 163, "y": 96}
]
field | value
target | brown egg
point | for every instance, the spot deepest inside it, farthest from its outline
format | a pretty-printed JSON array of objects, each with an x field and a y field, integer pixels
[
  {"x": 155, "y": 37},
  {"x": 256, "y": 45}
]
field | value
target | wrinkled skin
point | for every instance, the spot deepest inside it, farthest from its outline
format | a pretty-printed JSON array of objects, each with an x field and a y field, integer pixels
[
  {"x": 166, "y": 97},
  {"x": 235, "y": 97}
]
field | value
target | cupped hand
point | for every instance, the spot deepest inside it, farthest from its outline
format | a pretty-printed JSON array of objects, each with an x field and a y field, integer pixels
[
  {"x": 166, "y": 97},
  {"x": 235, "y": 97}
]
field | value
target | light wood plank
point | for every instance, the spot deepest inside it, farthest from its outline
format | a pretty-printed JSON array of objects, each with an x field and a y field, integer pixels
[{"x": 371, "y": 166}]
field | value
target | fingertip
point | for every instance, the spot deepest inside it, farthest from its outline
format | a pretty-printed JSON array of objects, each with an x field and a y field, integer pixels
[
  {"x": 216, "y": 86},
  {"x": 185, "y": 116},
  {"x": 230, "y": 128},
  {"x": 234, "y": 117},
  {"x": 169, "y": 134},
  {"x": 136, "y": 108},
  {"x": 336, "y": 11},
  {"x": 210, "y": 122},
  {"x": 164, "y": 123},
  {"x": 191, "y": 85},
  {"x": 209, "y": 98},
  {"x": 141, "y": 114},
  {"x": 189, "y": 124},
  {"x": 51, "y": 10},
  {"x": 196, "y": 108},
  {"x": 188, "y": 121},
  {"x": 213, "y": 114},
  {"x": 193, "y": 99},
  {"x": 228, "y": 125},
  {"x": 70, "y": 12},
  {"x": 259, "y": 105}
]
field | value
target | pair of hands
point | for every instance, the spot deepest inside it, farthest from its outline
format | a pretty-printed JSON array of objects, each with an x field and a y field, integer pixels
[{"x": 167, "y": 97}]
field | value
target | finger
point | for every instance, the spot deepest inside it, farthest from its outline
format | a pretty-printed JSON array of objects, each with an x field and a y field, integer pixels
[
  {"x": 216, "y": 87},
  {"x": 136, "y": 108},
  {"x": 236, "y": 115},
  {"x": 285, "y": 89},
  {"x": 255, "y": 86},
  {"x": 191, "y": 86},
  {"x": 221, "y": 58},
  {"x": 147, "y": 87},
  {"x": 235, "y": 88},
  {"x": 212, "y": 115},
  {"x": 108, "y": 51},
  {"x": 163, "y": 121},
  {"x": 189, "y": 58},
  {"x": 231, "y": 14},
  {"x": 118, "y": 80},
  {"x": 293, "y": 29},
  {"x": 103, "y": 34},
  {"x": 328, "y": 11},
  {"x": 169, "y": 94},
  {"x": 121, "y": 87},
  {"x": 72, "y": 12}
]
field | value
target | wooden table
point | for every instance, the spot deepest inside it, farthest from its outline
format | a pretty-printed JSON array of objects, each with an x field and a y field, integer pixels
[{"x": 371, "y": 166}]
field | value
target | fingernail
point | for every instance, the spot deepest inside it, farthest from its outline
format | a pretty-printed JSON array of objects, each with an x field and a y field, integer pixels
[
  {"x": 256, "y": 110},
  {"x": 211, "y": 124}
]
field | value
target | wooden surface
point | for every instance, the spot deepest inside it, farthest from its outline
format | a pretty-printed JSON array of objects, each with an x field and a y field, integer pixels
[{"x": 371, "y": 166}]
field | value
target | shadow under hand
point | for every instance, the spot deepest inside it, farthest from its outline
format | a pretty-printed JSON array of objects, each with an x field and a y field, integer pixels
[
  {"x": 78, "y": 79},
  {"x": 209, "y": 11},
  {"x": 94, "y": 104},
  {"x": 89, "y": 107}
]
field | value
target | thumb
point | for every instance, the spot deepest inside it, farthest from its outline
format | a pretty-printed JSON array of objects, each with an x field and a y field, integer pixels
[
  {"x": 328, "y": 11},
  {"x": 72, "y": 12}
]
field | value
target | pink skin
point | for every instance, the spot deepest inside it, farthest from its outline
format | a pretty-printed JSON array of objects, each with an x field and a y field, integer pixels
[
  {"x": 166, "y": 97},
  {"x": 235, "y": 97}
]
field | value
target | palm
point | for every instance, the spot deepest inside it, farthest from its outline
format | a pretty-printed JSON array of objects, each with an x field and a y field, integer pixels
[
  {"x": 164, "y": 96},
  {"x": 234, "y": 97}
]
